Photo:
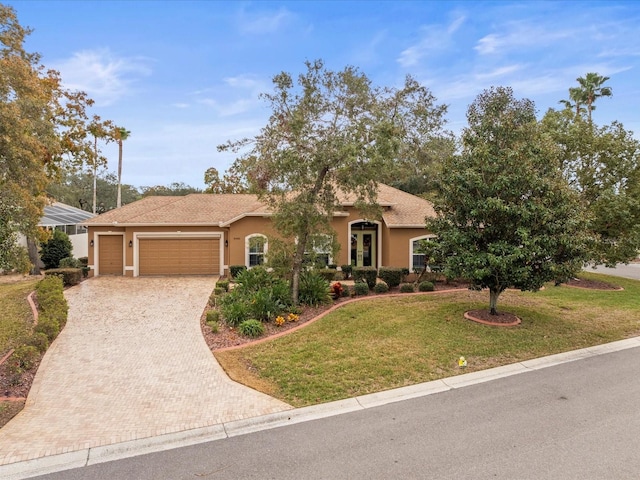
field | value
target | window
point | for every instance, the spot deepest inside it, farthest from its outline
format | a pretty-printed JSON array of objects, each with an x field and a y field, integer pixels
[
  {"x": 319, "y": 251},
  {"x": 255, "y": 247},
  {"x": 417, "y": 255}
]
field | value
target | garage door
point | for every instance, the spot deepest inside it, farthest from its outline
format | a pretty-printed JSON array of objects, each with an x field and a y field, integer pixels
[
  {"x": 110, "y": 254},
  {"x": 179, "y": 256}
]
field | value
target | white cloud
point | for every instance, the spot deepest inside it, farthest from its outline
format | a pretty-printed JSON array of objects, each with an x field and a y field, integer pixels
[
  {"x": 237, "y": 95},
  {"x": 105, "y": 77},
  {"x": 520, "y": 35},
  {"x": 435, "y": 38},
  {"x": 263, "y": 23}
]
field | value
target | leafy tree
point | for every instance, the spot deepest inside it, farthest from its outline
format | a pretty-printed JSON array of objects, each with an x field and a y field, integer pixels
[
  {"x": 174, "y": 189},
  {"x": 75, "y": 189},
  {"x": 42, "y": 128},
  {"x": 231, "y": 182},
  {"x": 333, "y": 132},
  {"x": 603, "y": 165},
  {"x": 120, "y": 134},
  {"x": 506, "y": 216},
  {"x": 55, "y": 249}
]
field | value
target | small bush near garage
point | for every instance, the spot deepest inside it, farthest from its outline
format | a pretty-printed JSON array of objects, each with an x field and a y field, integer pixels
[
  {"x": 236, "y": 270},
  {"x": 219, "y": 291},
  {"x": 366, "y": 274},
  {"x": 426, "y": 287},
  {"x": 381, "y": 287},
  {"x": 69, "y": 276},
  {"x": 38, "y": 340},
  {"x": 70, "y": 262},
  {"x": 360, "y": 289},
  {"x": 407, "y": 288},
  {"x": 55, "y": 249},
  {"x": 251, "y": 328},
  {"x": 52, "y": 306},
  {"x": 224, "y": 284}
]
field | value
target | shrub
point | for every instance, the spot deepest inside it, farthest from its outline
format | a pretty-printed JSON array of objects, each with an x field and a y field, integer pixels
[
  {"x": 392, "y": 276},
  {"x": 214, "y": 326},
  {"x": 70, "y": 262},
  {"x": 17, "y": 259},
  {"x": 407, "y": 288},
  {"x": 366, "y": 274},
  {"x": 69, "y": 276},
  {"x": 346, "y": 291},
  {"x": 360, "y": 288},
  {"x": 265, "y": 304},
  {"x": 381, "y": 287},
  {"x": 329, "y": 274},
  {"x": 85, "y": 272},
  {"x": 332, "y": 266},
  {"x": 426, "y": 286},
  {"x": 346, "y": 271},
  {"x": 236, "y": 270},
  {"x": 26, "y": 357},
  {"x": 213, "y": 316},
  {"x": 254, "y": 279},
  {"x": 213, "y": 299},
  {"x": 405, "y": 272},
  {"x": 39, "y": 340},
  {"x": 55, "y": 249},
  {"x": 84, "y": 261},
  {"x": 251, "y": 328},
  {"x": 314, "y": 290},
  {"x": 49, "y": 326},
  {"x": 224, "y": 284},
  {"x": 219, "y": 291},
  {"x": 234, "y": 309}
]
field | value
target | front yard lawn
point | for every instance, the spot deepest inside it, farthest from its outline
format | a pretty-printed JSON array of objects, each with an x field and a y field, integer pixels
[{"x": 390, "y": 342}]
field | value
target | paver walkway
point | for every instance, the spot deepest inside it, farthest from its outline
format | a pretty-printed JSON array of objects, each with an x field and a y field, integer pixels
[{"x": 131, "y": 363}]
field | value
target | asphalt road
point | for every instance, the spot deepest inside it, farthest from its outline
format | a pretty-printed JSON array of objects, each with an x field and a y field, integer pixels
[
  {"x": 578, "y": 420},
  {"x": 628, "y": 271}
]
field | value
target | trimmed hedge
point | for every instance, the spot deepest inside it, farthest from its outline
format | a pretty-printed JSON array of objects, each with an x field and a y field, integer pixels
[
  {"x": 426, "y": 286},
  {"x": 366, "y": 274},
  {"x": 223, "y": 284},
  {"x": 381, "y": 287},
  {"x": 360, "y": 289},
  {"x": 407, "y": 288},
  {"x": 329, "y": 274},
  {"x": 346, "y": 271},
  {"x": 52, "y": 306},
  {"x": 69, "y": 276},
  {"x": 392, "y": 276}
]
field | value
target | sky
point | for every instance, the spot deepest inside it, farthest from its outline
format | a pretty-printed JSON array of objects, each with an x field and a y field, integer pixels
[{"x": 185, "y": 76}]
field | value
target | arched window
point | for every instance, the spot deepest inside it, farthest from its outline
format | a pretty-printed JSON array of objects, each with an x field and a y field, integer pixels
[
  {"x": 256, "y": 246},
  {"x": 416, "y": 257}
]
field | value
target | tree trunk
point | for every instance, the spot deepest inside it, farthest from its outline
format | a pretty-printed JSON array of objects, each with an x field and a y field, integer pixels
[
  {"x": 493, "y": 301},
  {"x": 297, "y": 268},
  {"x": 32, "y": 249},
  {"x": 119, "y": 199}
]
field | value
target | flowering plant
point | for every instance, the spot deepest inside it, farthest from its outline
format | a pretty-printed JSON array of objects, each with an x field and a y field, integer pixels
[
  {"x": 279, "y": 320},
  {"x": 336, "y": 290},
  {"x": 292, "y": 317}
]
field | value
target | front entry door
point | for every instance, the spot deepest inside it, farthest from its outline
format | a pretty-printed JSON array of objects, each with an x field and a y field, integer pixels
[{"x": 363, "y": 248}]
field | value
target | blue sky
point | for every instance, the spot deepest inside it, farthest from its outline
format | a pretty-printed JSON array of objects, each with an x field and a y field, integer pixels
[{"x": 185, "y": 76}]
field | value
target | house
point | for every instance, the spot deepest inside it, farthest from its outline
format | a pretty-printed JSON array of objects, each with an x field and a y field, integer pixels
[
  {"x": 60, "y": 216},
  {"x": 203, "y": 234}
]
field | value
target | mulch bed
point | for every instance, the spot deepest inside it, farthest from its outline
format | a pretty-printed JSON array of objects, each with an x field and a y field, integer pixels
[
  {"x": 591, "y": 284},
  {"x": 229, "y": 337},
  {"x": 500, "y": 319}
]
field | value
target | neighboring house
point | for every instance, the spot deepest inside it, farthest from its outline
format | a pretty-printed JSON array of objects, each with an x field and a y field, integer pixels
[
  {"x": 60, "y": 216},
  {"x": 203, "y": 234}
]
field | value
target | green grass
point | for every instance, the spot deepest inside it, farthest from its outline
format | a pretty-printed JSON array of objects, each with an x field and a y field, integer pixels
[
  {"x": 16, "y": 318},
  {"x": 386, "y": 343}
]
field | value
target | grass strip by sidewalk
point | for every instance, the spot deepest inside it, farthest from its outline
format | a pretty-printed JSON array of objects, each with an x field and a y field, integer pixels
[{"x": 391, "y": 342}]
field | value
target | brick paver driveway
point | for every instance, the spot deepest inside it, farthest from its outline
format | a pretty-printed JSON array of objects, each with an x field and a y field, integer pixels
[{"x": 131, "y": 363}]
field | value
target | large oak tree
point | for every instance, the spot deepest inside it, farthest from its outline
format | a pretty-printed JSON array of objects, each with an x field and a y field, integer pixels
[{"x": 331, "y": 132}]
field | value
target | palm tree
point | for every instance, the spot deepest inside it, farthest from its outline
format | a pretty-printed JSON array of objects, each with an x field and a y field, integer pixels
[
  {"x": 576, "y": 100},
  {"x": 121, "y": 134},
  {"x": 98, "y": 129},
  {"x": 592, "y": 88}
]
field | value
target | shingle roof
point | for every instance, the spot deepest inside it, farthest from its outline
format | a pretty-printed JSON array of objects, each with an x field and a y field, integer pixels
[{"x": 401, "y": 209}]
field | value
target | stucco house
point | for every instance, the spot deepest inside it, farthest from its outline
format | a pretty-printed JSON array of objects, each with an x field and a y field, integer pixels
[{"x": 203, "y": 234}]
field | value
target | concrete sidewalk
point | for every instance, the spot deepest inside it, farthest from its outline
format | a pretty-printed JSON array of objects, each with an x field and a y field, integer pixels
[{"x": 130, "y": 364}]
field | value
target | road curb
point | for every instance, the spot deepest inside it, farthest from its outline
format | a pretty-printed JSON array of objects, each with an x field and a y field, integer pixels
[{"x": 90, "y": 456}]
